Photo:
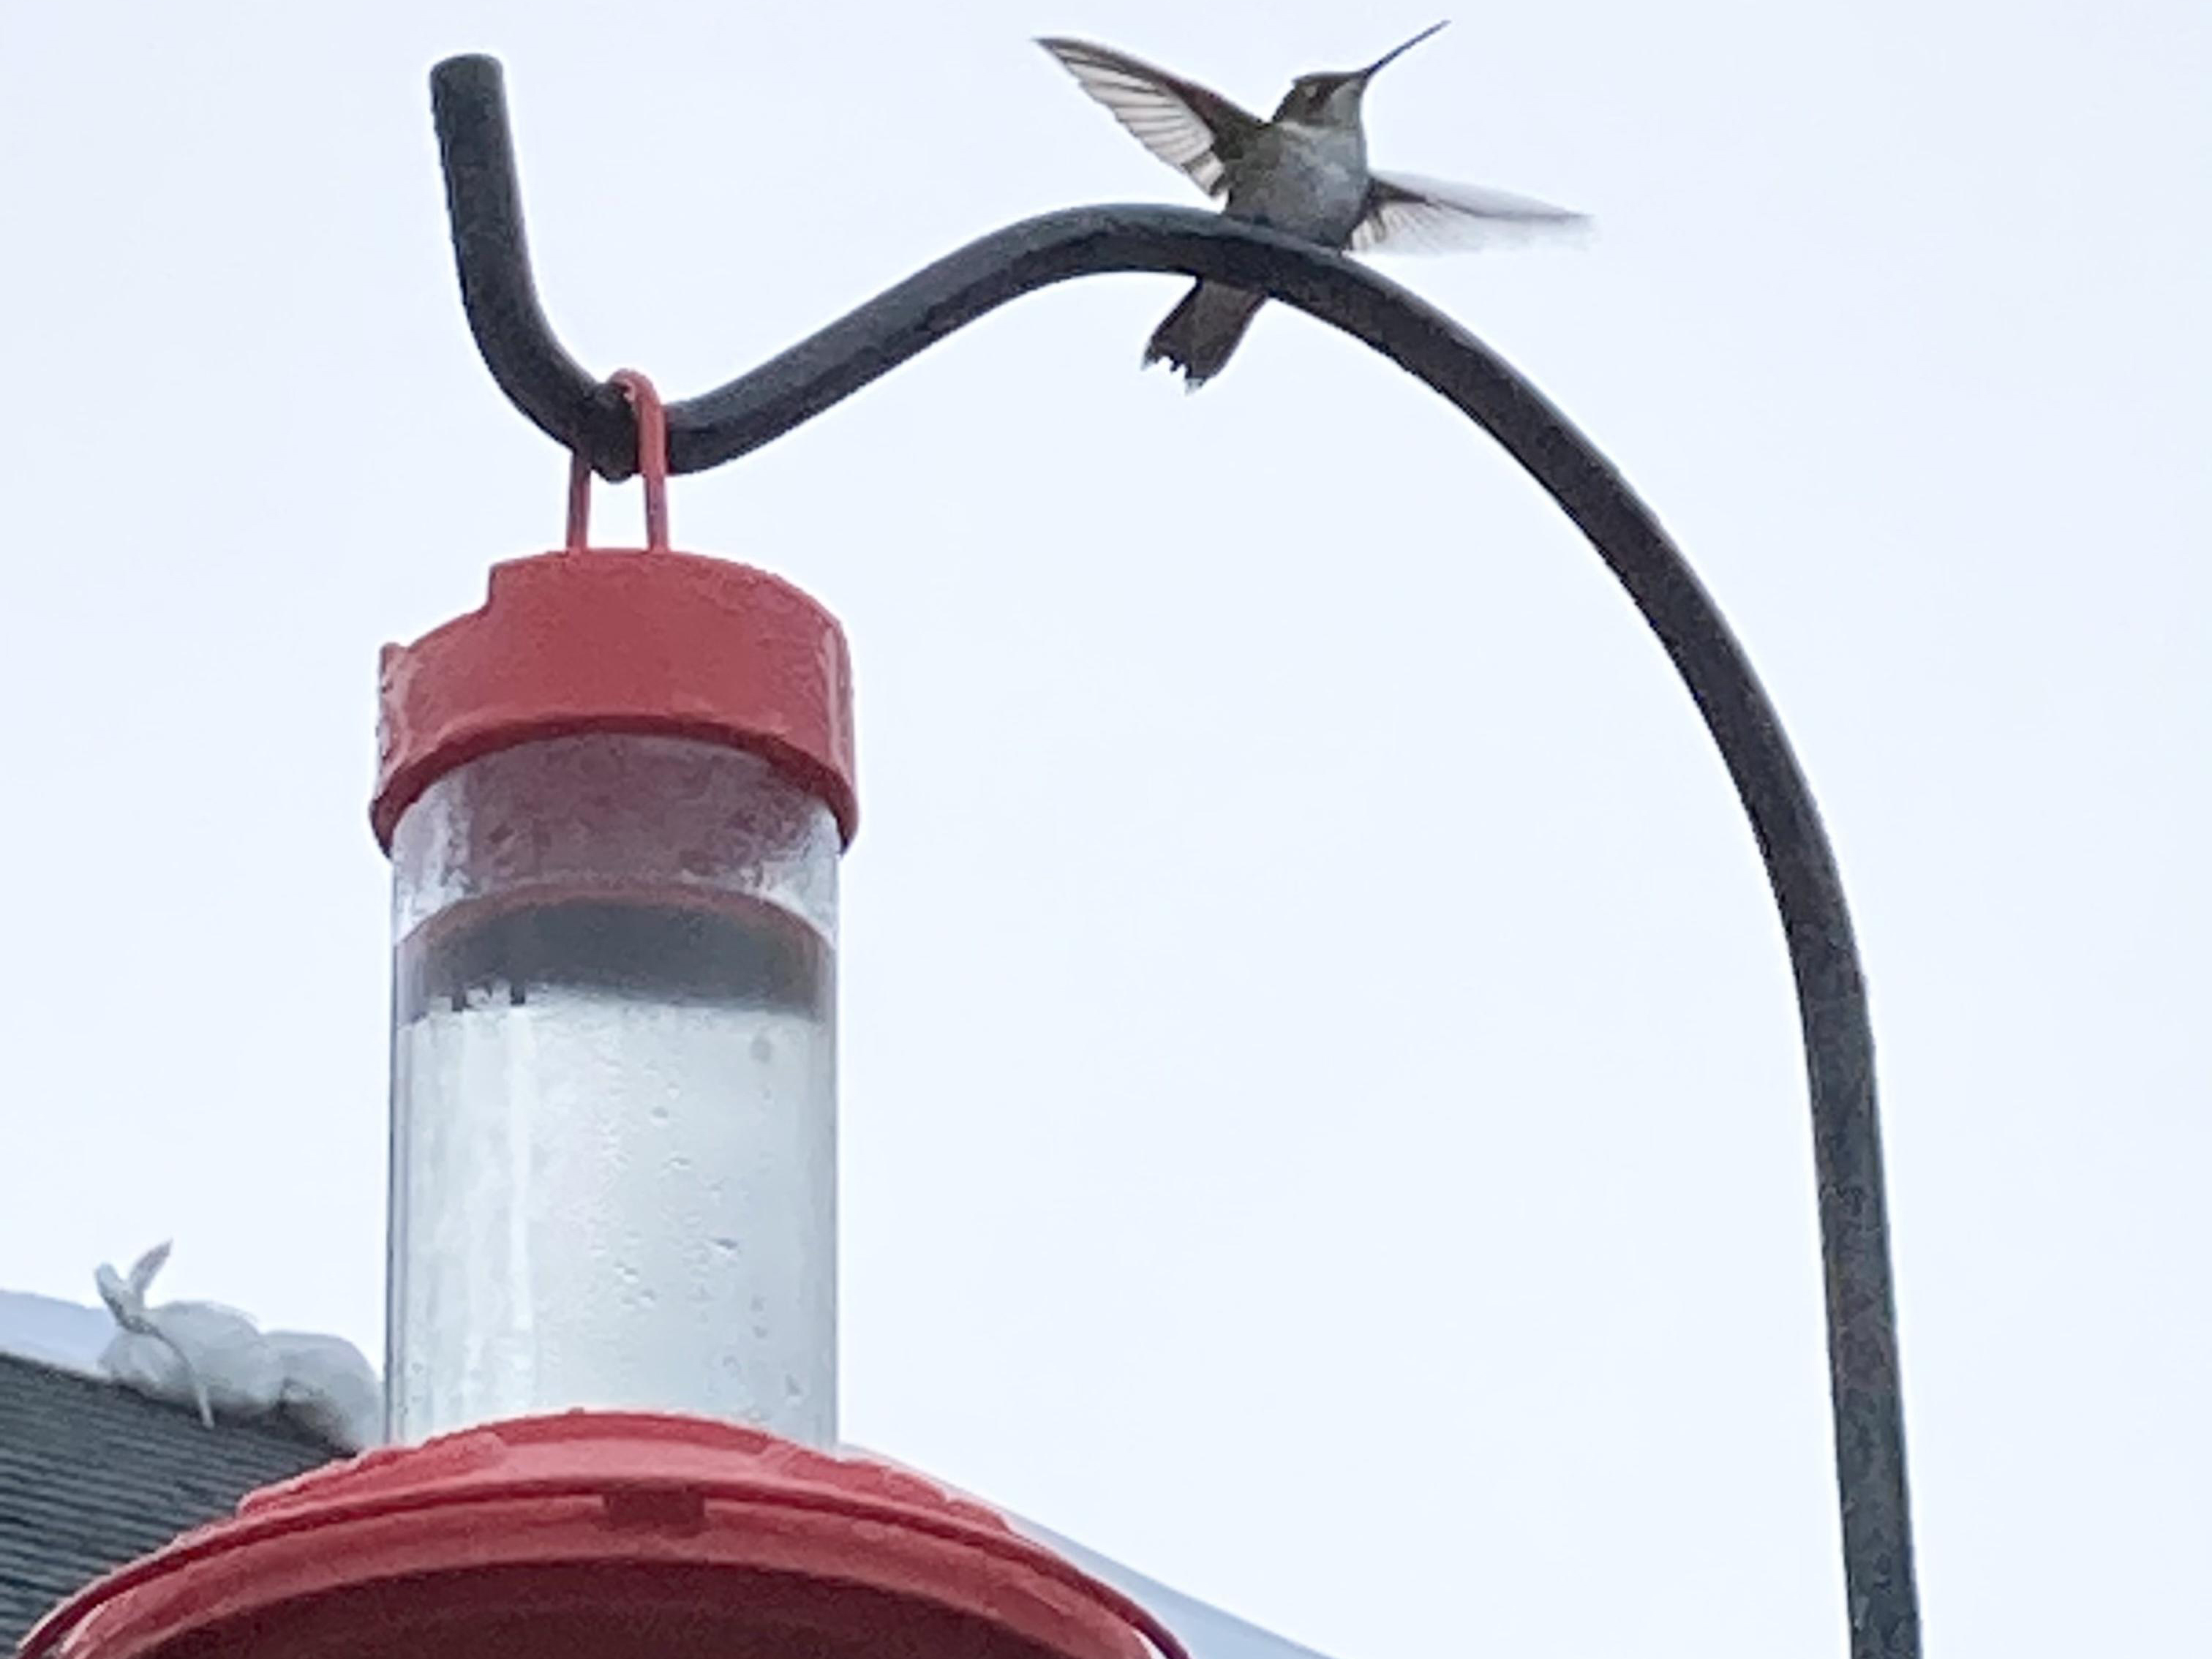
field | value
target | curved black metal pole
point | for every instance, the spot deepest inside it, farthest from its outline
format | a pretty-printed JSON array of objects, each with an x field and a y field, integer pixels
[{"x": 548, "y": 387}]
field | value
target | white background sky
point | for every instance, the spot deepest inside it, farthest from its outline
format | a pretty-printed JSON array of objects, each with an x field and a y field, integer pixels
[{"x": 1323, "y": 1119}]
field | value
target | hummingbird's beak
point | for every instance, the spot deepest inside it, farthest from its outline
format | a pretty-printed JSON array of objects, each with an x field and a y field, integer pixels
[{"x": 1400, "y": 50}]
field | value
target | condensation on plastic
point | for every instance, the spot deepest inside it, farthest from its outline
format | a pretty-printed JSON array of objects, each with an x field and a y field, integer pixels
[{"x": 614, "y": 1088}]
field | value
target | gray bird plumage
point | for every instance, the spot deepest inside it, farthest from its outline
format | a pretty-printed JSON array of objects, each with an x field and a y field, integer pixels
[{"x": 1303, "y": 171}]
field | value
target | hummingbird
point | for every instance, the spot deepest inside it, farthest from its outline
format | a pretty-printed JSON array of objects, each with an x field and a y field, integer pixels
[{"x": 1302, "y": 172}]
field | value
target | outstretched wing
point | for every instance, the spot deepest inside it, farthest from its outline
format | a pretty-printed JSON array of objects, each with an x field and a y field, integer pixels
[
  {"x": 1407, "y": 215},
  {"x": 1183, "y": 124}
]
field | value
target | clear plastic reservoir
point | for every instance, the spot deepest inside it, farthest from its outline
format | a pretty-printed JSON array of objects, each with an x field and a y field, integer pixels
[{"x": 614, "y": 1089}]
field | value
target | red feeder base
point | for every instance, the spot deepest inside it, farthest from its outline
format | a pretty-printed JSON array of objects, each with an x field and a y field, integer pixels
[{"x": 602, "y": 1535}]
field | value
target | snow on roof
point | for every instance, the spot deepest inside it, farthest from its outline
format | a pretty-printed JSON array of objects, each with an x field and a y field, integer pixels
[
  {"x": 45, "y": 1330},
  {"x": 199, "y": 1353},
  {"x": 68, "y": 1336},
  {"x": 1206, "y": 1630}
]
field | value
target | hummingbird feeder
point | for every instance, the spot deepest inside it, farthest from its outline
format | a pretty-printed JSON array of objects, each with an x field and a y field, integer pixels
[{"x": 614, "y": 800}]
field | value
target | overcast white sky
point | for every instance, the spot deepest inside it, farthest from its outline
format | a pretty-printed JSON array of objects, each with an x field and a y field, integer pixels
[{"x": 1323, "y": 1118}]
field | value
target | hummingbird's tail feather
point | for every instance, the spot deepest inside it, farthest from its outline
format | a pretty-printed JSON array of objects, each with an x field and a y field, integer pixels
[{"x": 1199, "y": 334}]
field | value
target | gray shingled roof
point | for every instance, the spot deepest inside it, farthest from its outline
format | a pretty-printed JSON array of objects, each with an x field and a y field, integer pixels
[{"x": 92, "y": 1475}]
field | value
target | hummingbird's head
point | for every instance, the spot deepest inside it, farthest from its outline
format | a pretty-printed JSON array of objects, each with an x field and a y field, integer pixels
[{"x": 1332, "y": 100}]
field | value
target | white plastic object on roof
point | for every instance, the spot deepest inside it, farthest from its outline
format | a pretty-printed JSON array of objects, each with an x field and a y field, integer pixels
[
  {"x": 217, "y": 1361},
  {"x": 329, "y": 1389}
]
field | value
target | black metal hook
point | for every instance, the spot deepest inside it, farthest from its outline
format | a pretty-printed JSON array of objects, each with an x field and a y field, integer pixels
[
  {"x": 483, "y": 204},
  {"x": 546, "y": 384}
]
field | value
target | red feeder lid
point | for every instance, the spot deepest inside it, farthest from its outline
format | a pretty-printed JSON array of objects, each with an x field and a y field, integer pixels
[
  {"x": 614, "y": 1535},
  {"x": 595, "y": 641}
]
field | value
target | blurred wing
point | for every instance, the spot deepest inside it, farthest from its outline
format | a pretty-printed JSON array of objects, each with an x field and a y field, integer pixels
[
  {"x": 1410, "y": 215},
  {"x": 1185, "y": 126}
]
